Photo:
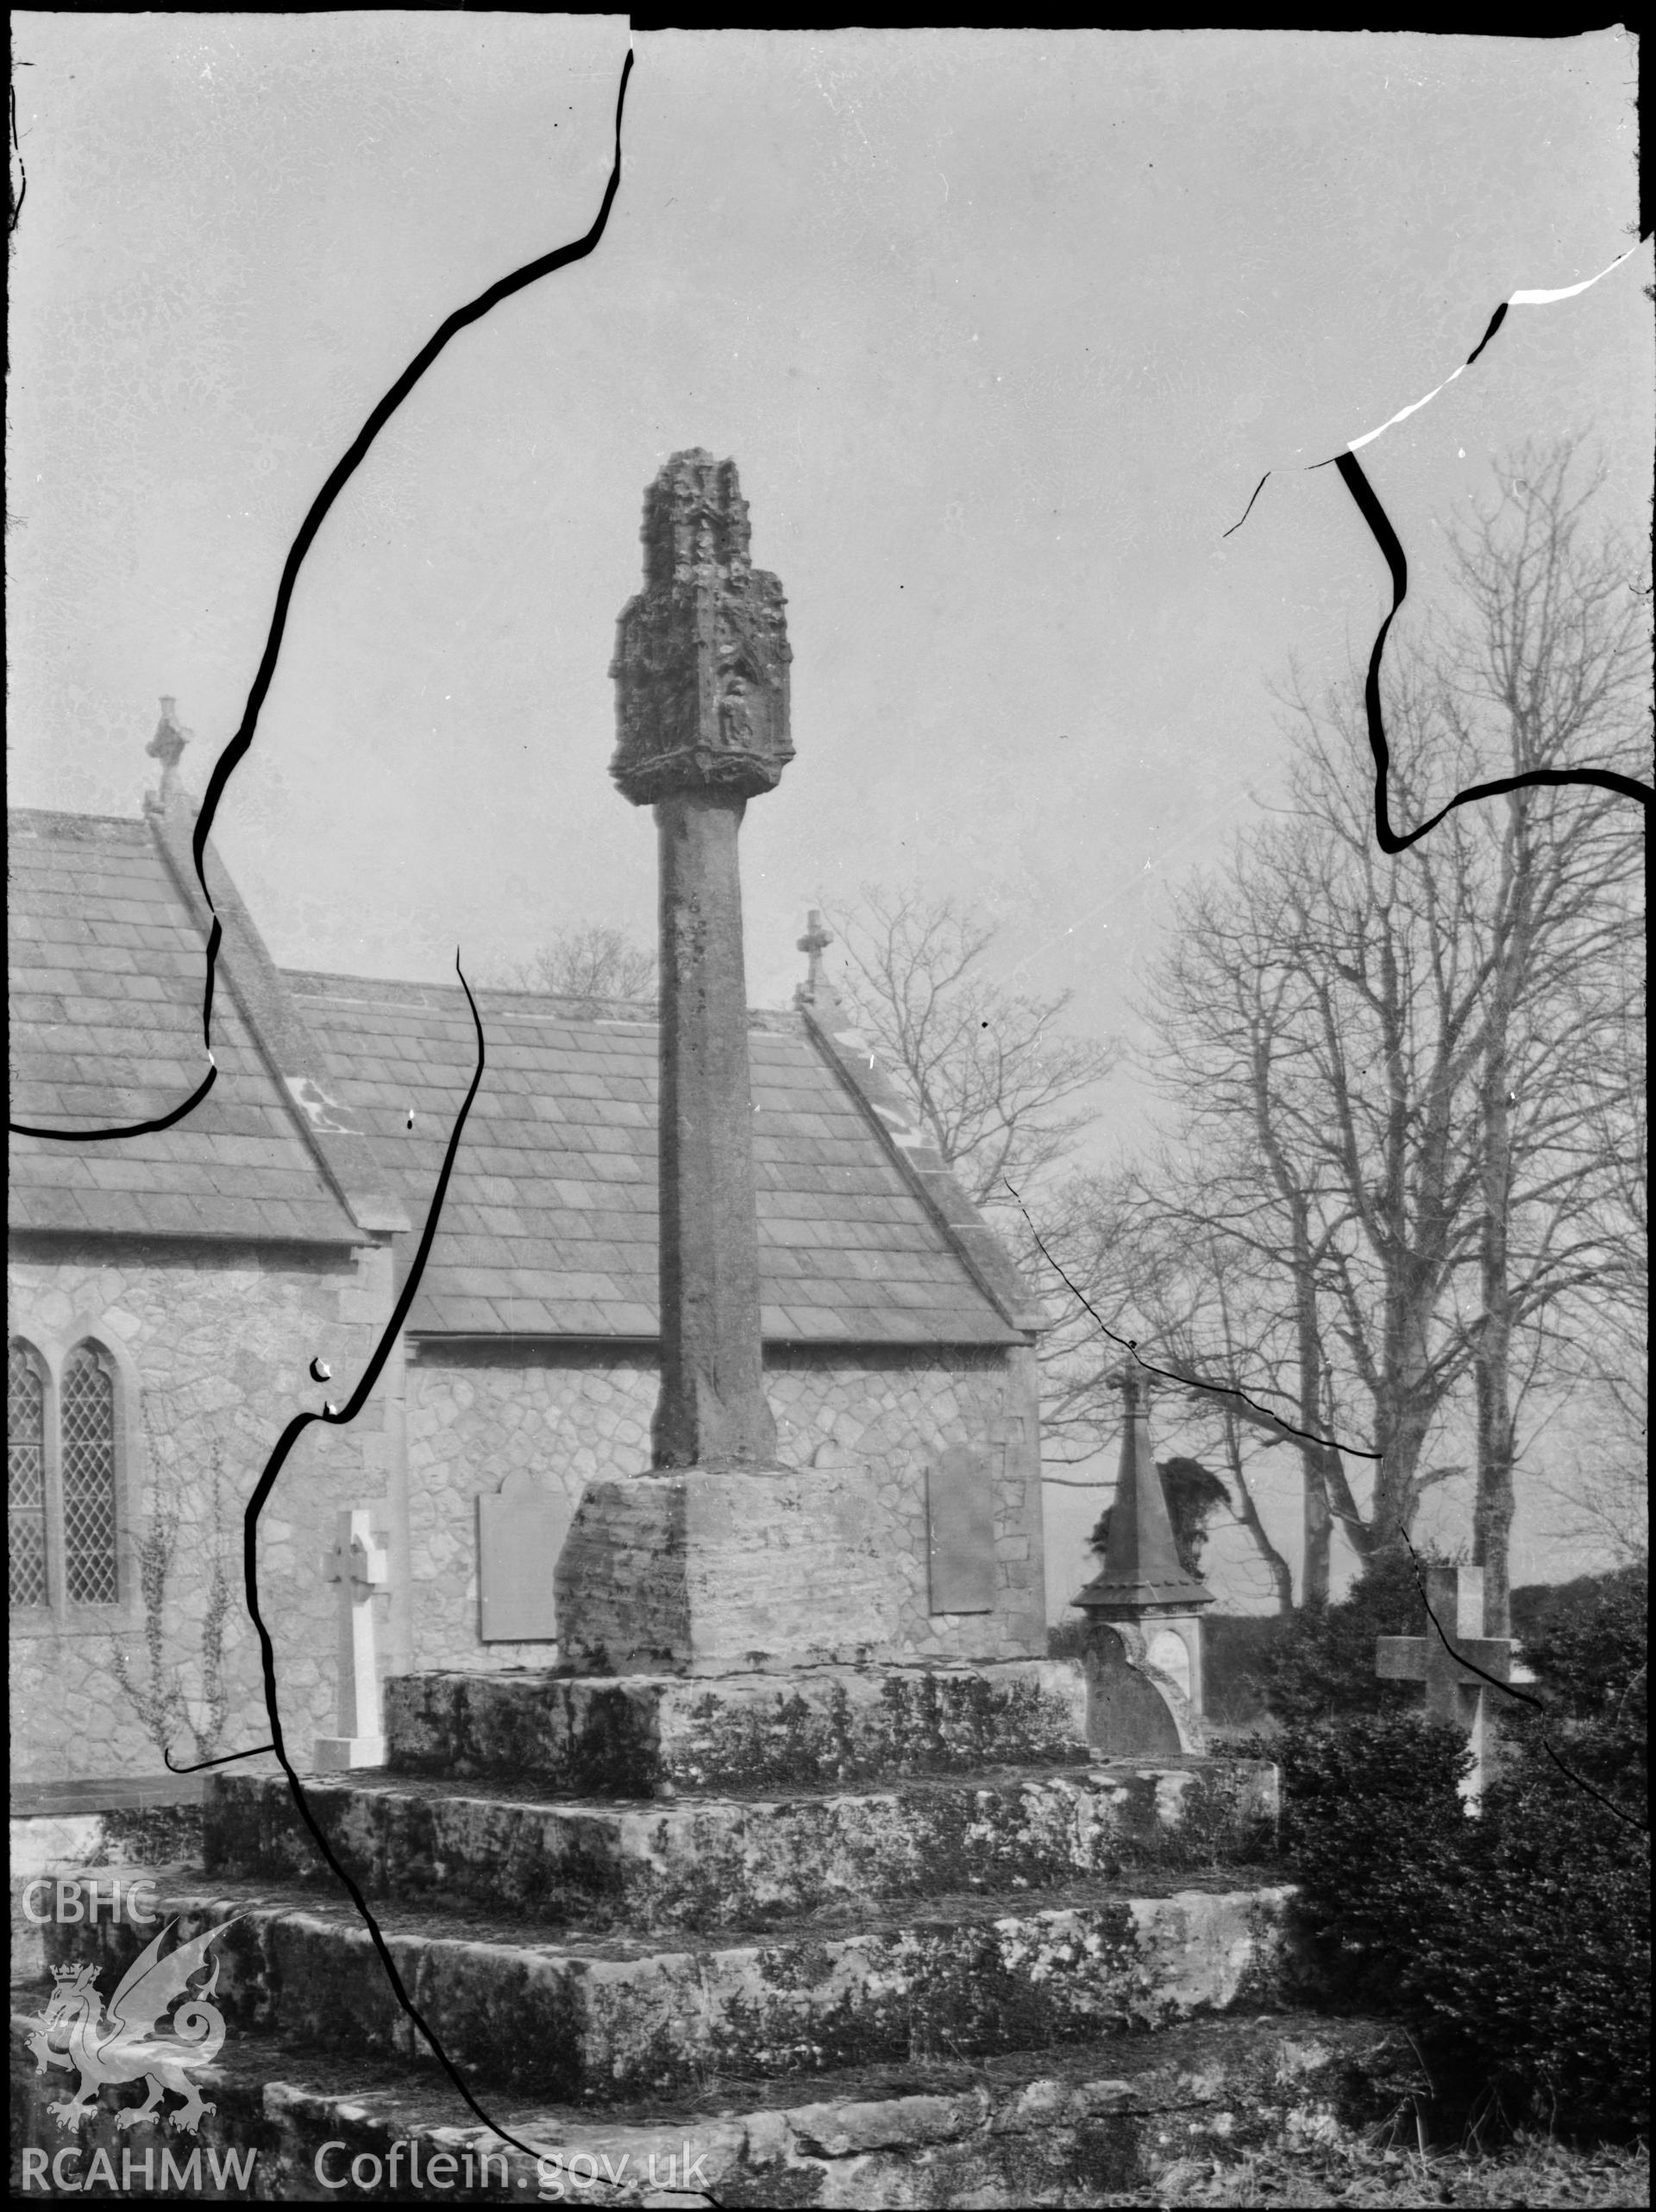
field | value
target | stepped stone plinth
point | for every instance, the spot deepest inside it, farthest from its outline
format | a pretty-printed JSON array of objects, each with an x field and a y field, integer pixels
[
  {"x": 611, "y": 1895},
  {"x": 1065, "y": 2125},
  {"x": 655, "y": 1735},
  {"x": 982, "y": 1953},
  {"x": 586, "y": 2019},
  {"x": 756, "y": 1861}
]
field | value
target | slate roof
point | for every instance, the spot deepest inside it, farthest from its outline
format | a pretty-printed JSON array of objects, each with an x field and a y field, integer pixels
[
  {"x": 104, "y": 1003},
  {"x": 549, "y": 1228}
]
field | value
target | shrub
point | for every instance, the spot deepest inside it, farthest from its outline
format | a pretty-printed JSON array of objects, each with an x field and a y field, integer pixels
[
  {"x": 1551, "y": 1965},
  {"x": 1374, "y": 1828},
  {"x": 1517, "y": 1944},
  {"x": 1539, "y": 1607},
  {"x": 1591, "y": 1668},
  {"x": 1237, "y": 1652},
  {"x": 1541, "y": 1991},
  {"x": 1066, "y": 1639},
  {"x": 1323, "y": 1666}
]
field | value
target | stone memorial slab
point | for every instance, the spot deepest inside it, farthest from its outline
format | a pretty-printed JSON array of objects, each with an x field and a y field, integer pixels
[
  {"x": 960, "y": 1517},
  {"x": 520, "y": 1532}
]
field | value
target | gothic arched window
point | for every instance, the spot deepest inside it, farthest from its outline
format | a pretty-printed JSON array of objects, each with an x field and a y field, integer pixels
[
  {"x": 65, "y": 1469},
  {"x": 25, "y": 1477},
  {"x": 86, "y": 1417}
]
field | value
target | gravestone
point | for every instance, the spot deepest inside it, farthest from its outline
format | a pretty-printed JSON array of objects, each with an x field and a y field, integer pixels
[
  {"x": 1143, "y": 1651},
  {"x": 1455, "y": 1689},
  {"x": 357, "y": 1564},
  {"x": 960, "y": 1530},
  {"x": 721, "y": 1559},
  {"x": 520, "y": 1532}
]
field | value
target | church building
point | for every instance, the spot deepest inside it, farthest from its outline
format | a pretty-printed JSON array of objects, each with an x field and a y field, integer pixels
[{"x": 179, "y": 1294}]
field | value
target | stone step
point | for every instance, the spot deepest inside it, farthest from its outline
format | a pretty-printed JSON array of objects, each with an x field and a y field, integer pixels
[
  {"x": 705, "y": 1862},
  {"x": 1062, "y": 2125},
  {"x": 652, "y": 1735},
  {"x": 591, "y": 2018}
]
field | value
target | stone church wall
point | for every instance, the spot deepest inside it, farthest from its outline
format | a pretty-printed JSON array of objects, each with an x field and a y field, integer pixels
[
  {"x": 219, "y": 1342},
  {"x": 473, "y": 1417}
]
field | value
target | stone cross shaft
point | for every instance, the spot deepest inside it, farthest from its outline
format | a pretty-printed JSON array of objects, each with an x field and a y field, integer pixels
[
  {"x": 701, "y": 671},
  {"x": 357, "y": 1563}
]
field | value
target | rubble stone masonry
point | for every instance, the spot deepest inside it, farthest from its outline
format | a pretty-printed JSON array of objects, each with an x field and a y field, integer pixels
[
  {"x": 573, "y": 1413},
  {"x": 218, "y": 1341}
]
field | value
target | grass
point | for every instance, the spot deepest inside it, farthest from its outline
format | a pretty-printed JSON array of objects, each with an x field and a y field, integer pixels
[{"x": 1333, "y": 2167}]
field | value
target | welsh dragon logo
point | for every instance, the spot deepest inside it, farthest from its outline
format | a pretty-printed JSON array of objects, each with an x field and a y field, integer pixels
[{"x": 133, "y": 2041}]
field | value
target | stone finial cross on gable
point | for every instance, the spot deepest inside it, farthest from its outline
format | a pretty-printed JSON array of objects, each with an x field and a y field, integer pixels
[
  {"x": 815, "y": 942},
  {"x": 357, "y": 1563},
  {"x": 1455, "y": 1690},
  {"x": 167, "y": 746}
]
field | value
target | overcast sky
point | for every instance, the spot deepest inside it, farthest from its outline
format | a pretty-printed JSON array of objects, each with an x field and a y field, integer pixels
[{"x": 1001, "y": 329}]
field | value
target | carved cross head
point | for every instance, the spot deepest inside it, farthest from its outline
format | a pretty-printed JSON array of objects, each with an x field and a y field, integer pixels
[{"x": 701, "y": 656}]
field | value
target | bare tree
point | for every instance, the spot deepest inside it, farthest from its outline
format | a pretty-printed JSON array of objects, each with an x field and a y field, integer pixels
[
  {"x": 1374, "y": 1055},
  {"x": 1605, "y": 1491},
  {"x": 994, "y": 1080},
  {"x": 1549, "y": 672},
  {"x": 588, "y": 966}
]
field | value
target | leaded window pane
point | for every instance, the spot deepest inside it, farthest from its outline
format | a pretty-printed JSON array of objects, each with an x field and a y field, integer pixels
[
  {"x": 88, "y": 1418},
  {"x": 25, "y": 1478}
]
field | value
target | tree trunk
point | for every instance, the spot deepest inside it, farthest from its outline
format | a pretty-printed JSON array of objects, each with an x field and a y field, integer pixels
[
  {"x": 1317, "y": 1570},
  {"x": 1492, "y": 1511},
  {"x": 1277, "y": 1567}
]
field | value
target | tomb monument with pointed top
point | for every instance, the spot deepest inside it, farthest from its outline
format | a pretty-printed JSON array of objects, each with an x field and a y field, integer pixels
[{"x": 1143, "y": 1610}]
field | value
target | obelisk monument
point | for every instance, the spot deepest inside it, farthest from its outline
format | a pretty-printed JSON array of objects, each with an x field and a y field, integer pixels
[{"x": 720, "y": 1560}]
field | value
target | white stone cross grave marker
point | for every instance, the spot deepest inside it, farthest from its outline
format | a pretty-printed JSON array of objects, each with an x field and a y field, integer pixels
[
  {"x": 1453, "y": 1691},
  {"x": 357, "y": 1563}
]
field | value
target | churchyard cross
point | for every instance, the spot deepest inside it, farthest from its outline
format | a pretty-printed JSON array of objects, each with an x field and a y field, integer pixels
[
  {"x": 702, "y": 707},
  {"x": 722, "y": 1558},
  {"x": 357, "y": 1564},
  {"x": 1455, "y": 1689}
]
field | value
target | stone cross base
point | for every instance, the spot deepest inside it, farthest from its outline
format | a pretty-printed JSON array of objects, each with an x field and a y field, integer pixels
[{"x": 698, "y": 1572}]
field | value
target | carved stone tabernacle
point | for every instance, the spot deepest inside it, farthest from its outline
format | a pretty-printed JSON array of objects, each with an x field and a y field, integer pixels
[{"x": 701, "y": 653}]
